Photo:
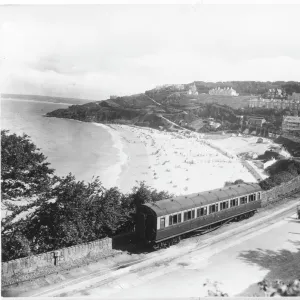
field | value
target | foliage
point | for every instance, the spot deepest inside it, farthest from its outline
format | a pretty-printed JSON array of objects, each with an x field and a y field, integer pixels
[
  {"x": 63, "y": 211},
  {"x": 24, "y": 170},
  {"x": 282, "y": 171},
  {"x": 144, "y": 194},
  {"x": 15, "y": 246},
  {"x": 238, "y": 181}
]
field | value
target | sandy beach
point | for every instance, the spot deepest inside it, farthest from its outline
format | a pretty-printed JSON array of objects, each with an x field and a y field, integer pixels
[{"x": 175, "y": 162}]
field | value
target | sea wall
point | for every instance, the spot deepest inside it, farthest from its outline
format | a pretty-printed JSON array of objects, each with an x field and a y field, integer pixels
[
  {"x": 254, "y": 173},
  {"x": 46, "y": 263},
  {"x": 226, "y": 153},
  {"x": 277, "y": 193}
]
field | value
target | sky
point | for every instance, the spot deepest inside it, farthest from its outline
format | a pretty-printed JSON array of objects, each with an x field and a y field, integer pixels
[{"x": 94, "y": 51}]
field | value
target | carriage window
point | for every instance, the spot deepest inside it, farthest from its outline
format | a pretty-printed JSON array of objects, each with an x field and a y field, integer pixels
[
  {"x": 243, "y": 200},
  {"x": 234, "y": 202},
  {"x": 258, "y": 196},
  {"x": 217, "y": 207},
  {"x": 252, "y": 197},
  {"x": 224, "y": 205},
  {"x": 213, "y": 208},
  {"x": 187, "y": 215},
  {"x": 201, "y": 212},
  {"x": 175, "y": 219},
  {"x": 193, "y": 214},
  {"x": 162, "y": 222},
  {"x": 179, "y": 218}
]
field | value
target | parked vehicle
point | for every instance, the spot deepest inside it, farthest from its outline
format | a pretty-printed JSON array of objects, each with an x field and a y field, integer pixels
[{"x": 163, "y": 223}]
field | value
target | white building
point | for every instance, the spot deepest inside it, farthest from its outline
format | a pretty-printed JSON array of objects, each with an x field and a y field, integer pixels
[
  {"x": 224, "y": 92},
  {"x": 193, "y": 90},
  {"x": 291, "y": 124}
]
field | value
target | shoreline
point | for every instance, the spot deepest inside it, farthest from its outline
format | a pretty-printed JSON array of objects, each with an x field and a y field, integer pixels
[
  {"x": 133, "y": 170},
  {"x": 179, "y": 163},
  {"x": 123, "y": 157}
]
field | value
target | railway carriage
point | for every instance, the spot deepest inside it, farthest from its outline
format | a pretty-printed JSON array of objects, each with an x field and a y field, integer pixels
[{"x": 164, "y": 222}]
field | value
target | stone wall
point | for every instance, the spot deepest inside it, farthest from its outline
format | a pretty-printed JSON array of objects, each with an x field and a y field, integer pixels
[
  {"x": 49, "y": 261},
  {"x": 277, "y": 193}
]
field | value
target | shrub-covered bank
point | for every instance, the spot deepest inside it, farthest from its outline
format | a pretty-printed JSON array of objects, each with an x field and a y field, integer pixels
[{"x": 61, "y": 211}]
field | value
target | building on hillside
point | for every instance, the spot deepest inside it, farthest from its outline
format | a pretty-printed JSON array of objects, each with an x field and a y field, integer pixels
[
  {"x": 275, "y": 94},
  {"x": 256, "y": 121},
  {"x": 223, "y": 91},
  {"x": 279, "y": 104},
  {"x": 291, "y": 124},
  {"x": 174, "y": 87},
  {"x": 294, "y": 96},
  {"x": 192, "y": 90}
]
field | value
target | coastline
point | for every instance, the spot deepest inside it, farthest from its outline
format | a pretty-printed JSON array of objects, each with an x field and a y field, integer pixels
[
  {"x": 176, "y": 162},
  {"x": 134, "y": 169},
  {"x": 115, "y": 171},
  {"x": 133, "y": 158}
]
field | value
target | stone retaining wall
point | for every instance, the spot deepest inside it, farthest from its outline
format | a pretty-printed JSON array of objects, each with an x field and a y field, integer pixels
[
  {"x": 50, "y": 261},
  {"x": 277, "y": 193}
]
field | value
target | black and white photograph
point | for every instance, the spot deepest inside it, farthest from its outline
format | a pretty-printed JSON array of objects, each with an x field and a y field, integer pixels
[{"x": 150, "y": 151}]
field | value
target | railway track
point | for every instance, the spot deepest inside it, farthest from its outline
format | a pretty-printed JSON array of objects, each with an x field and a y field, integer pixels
[{"x": 105, "y": 276}]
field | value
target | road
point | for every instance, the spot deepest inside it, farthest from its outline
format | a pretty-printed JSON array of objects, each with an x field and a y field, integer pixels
[
  {"x": 237, "y": 265},
  {"x": 236, "y": 258}
]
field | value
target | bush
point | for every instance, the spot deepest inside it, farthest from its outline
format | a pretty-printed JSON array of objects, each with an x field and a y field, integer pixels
[
  {"x": 281, "y": 171},
  {"x": 238, "y": 181}
]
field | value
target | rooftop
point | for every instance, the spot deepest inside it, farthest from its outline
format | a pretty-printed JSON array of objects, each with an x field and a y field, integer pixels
[{"x": 176, "y": 204}]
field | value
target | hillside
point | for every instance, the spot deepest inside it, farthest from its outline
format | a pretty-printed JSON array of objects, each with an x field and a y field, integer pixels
[{"x": 180, "y": 103}]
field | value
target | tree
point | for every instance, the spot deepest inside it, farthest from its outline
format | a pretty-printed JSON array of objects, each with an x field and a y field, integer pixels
[
  {"x": 24, "y": 170},
  {"x": 144, "y": 194},
  {"x": 238, "y": 181},
  {"x": 15, "y": 246}
]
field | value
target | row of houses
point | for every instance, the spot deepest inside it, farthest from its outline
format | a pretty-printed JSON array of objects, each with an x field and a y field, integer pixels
[
  {"x": 275, "y": 93},
  {"x": 290, "y": 124},
  {"x": 275, "y": 103},
  {"x": 227, "y": 91}
]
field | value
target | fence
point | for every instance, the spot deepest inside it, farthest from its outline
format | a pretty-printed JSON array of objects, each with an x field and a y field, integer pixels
[
  {"x": 52, "y": 260},
  {"x": 278, "y": 192}
]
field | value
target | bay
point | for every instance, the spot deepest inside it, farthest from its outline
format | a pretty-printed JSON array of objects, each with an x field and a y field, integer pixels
[{"x": 84, "y": 149}]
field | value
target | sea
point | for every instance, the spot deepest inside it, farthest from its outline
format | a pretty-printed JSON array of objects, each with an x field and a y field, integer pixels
[{"x": 83, "y": 149}]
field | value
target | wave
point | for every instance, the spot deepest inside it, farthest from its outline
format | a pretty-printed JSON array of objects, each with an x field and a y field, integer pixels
[{"x": 123, "y": 158}]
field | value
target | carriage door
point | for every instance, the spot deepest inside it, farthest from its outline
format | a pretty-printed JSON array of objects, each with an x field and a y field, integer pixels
[
  {"x": 150, "y": 227},
  {"x": 141, "y": 226}
]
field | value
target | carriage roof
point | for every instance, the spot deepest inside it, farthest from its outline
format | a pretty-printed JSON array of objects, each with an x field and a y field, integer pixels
[{"x": 180, "y": 203}]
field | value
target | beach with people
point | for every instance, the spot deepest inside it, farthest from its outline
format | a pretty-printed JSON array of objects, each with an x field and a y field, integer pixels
[{"x": 178, "y": 162}]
